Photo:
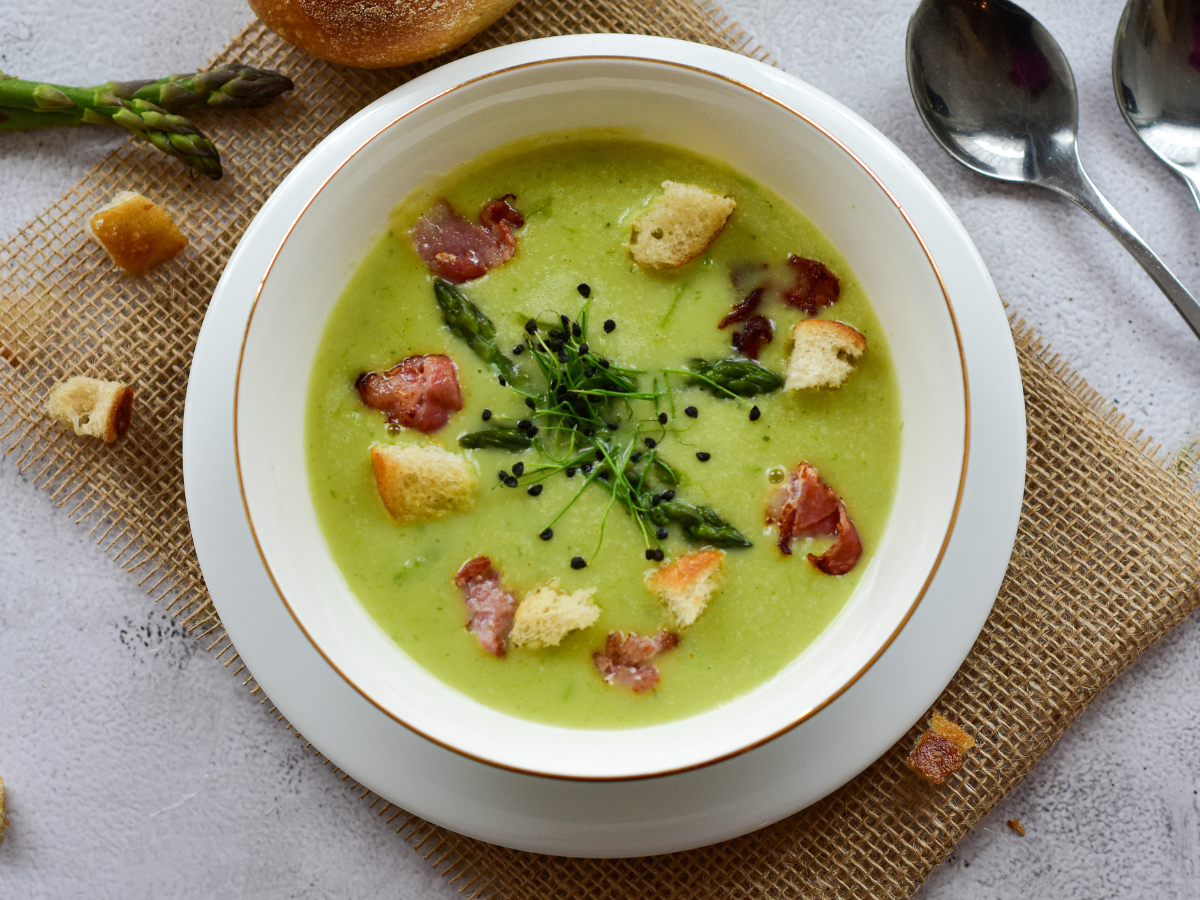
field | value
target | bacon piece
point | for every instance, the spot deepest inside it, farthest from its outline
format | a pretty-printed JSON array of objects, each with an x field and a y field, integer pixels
[
  {"x": 625, "y": 657},
  {"x": 457, "y": 249},
  {"x": 843, "y": 555},
  {"x": 814, "y": 285},
  {"x": 745, "y": 309},
  {"x": 492, "y": 608},
  {"x": 807, "y": 507},
  {"x": 418, "y": 392},
  {"x": 749, "y": 340}
]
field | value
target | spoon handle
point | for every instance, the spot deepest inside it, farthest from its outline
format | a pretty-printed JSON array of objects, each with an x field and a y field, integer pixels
[{"x": 1083, "y": 191}]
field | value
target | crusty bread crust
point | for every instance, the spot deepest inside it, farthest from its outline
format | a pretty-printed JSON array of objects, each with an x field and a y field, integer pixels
[
  {"x": 547, "y": 615},
  {"x": 371, "y": 34},
  {"x": 823, "y": 354},
  {"x": 687, "y": 584},
  {"x": 136, "y": 233},
  {"x": 678, "y": 226},
  {"x": 91, "y": 407},
  {"x": 419, "y": 483}
]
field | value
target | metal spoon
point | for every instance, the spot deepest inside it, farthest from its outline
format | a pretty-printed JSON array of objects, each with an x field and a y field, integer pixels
[
  {"x": 995, "y": 90},
  {"x": 1156, "y": 74}
]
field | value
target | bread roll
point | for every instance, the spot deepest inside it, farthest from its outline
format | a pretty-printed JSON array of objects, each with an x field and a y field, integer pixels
[{"x": 373, "y": 34}]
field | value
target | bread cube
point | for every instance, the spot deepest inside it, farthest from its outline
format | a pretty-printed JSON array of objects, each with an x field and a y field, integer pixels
[
  {"x": 419, "y": 483},
  {"x": 939, "y": 752},
  {"x": 547, "y": 615},
  {"x": 688, "y": 584},
  {"x": 92, "y": 407},
  {"x": 136, "y": 233},
  {"x": 823, "y": 354},
  {"x": 678, "y": 226}
]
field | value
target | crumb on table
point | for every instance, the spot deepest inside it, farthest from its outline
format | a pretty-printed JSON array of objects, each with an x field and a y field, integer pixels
[
  {"x": 939, "y": 752},
  {"x": 1015, "y": 825}
]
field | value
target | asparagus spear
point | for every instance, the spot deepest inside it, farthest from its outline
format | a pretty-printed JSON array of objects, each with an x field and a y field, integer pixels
[
  {"x": 145, "y": 108},
  {"x": 20, "y": 100},
  {"x": 734, "y": 376},
  {"x": 502, "y": 438},
  {"x": 470, "y": 323},
  {"x": 699, "y": 523}
]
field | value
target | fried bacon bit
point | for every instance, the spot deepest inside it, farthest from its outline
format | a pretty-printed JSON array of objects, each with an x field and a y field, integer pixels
[
  {"x": 745, "y": 309},
  {"x": 419, "y": 392},
  {"x": 492, "y": 608},
  {"x": 625, "y": 656},
  {"x": 806, "y": 507},
  {"x": 457, "y": 249},
  {"x": 749, "y": 340},
  {"x": 814, "y": 285},
  {"x": 939, "y": 752}
]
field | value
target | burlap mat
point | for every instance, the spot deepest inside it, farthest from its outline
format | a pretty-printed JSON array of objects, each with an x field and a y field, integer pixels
[{"x": 1106, "y": 559}]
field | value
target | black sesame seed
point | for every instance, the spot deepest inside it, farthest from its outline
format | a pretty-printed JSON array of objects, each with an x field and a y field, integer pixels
[
  {"x": 589, "y": 371},
  {"x": 518, "y": 468},
  {"x": 566, "y": 323},
  {"x": 661, "y": 534},
  {"x": 503, "y": 383},
  {"x": 586, "y": 468},
  {"x": 636, "y": 456},
  {"x": 524, "y": 425},
  {"x": 570, "y": 471},
  {"x": 563, "y": 356},
  {"x": 755, "y": 412},
  {"x": 510, "y": 481},
  {"x": 662, "y": 418},
  {"x": 589, "y": 431},
  {"x": 531, "y": 326},
  {"x": 599, "y": 455},
  {"x": 666, "y": 495},
  {"x": 650, "y": 554},
  {"x": 611, "y": 426},
  {"x": 609, "y": 326},
  {"x": 531, "y": 430},
  {"x": 658, "y": 555},
  {"x": 584, "y": 290},
  {"x": 583, "y": 348},
  {"x": 503, "y": 475},
  {"x": 703, "y": 456},
  {"x": 603, "y": 476},
  {"x": 576, "y": 331},
  {"x": 633, "y": 495},
  {"x": 487, "y": 414},
  {"x": 578, "y": 562},
  {"x": 572, "y": 422},
  {"x": 534, "y": 490},
  {"x": 656, "y": 499},
  {"x": 546, "y": 535},
  {"x": 650, "y": 442},
  {"x": 518, "y": 350},
  {"x": 554, "y": 334},
  {"x": 691, "y": 412},
  {"x": 529, "y": 402},
  {"x": 604, "y": 364}
]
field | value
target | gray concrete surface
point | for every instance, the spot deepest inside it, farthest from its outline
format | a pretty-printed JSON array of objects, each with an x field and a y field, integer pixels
[{"x": 136, "y": 767}]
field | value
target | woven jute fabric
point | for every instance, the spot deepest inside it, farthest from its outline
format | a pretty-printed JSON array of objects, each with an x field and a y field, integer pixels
[{"x": 1106, "y": 561}]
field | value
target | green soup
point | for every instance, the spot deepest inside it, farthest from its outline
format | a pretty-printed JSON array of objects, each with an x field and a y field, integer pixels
[{"x": 579, "y": 195}]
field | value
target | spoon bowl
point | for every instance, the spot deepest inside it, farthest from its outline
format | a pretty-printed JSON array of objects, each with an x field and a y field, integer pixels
[
  {"x": 996, "y": 92},
  {"x": 1156, "y": 75}
]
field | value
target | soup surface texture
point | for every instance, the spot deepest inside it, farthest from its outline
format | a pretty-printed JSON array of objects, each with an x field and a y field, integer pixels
[{"x": 579, "y": 195}]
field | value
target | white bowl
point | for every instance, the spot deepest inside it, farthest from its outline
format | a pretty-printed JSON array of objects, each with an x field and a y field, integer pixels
[{"x": 342, "y": 214}]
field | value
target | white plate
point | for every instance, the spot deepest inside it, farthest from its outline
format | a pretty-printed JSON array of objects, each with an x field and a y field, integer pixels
[{"x": 659, "y": 814}]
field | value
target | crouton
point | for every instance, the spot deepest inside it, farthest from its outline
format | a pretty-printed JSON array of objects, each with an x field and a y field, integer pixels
[
  {"x": 91, "y": 407},
  {"x": 547, "y": 615},
  {"x": 687, "y": 584},
  {"x": 136, "y": 233},
  {"x": 419, "y": 483},
  {"x": 678, "y": 226},
  {"x": 4, "y": 823},
  {"x": 939, "y": 752},
  {"x": 823, "y": 354}
]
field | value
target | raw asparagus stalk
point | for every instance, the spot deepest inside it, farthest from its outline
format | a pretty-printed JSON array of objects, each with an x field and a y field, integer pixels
[
  {"x": 168, "y": 132},
  {"x": 227, "y": 86}
]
